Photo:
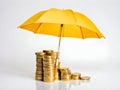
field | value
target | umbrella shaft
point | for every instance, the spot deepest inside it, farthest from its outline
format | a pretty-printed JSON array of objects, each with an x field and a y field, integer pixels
[{"x": 59, "y": 44}]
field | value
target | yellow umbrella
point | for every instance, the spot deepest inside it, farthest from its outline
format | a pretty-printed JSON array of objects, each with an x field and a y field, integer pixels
[{"x": 62, "y": 23}]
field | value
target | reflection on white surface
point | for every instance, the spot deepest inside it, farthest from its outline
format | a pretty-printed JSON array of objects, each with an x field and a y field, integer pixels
[{"x": 59, "y": 85}]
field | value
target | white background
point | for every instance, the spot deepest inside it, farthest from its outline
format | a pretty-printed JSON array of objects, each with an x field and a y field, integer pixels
[{"x": 98, "y": 58}]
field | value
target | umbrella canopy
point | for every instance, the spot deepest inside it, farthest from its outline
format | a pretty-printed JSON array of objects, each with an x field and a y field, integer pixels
[
  {"x": 74, "y": 24},
  {"x": 62, "y": 23}
]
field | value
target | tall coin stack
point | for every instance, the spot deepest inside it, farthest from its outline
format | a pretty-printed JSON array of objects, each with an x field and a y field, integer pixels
[
  {"x": 65, "y": 74},
  {"x": 49, "y": 65},
  {"x": 39, "y": 66}
]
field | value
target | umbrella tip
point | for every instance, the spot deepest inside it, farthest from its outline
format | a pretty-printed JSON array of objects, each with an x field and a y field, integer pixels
[{"x": 18, "y": 26}]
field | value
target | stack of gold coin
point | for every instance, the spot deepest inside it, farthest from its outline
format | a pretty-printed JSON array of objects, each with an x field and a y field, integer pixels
[
  {"x": 49, "y": 68},
  {"x": 65, "y": 74},
  {"x": 39, "y": 66},
  {"x": 51, "y": 53},
  {"x": 75, "y": 76}
]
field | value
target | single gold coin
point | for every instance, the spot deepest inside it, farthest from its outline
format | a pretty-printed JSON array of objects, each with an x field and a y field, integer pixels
[
  {"x": 39, "y": 78},
  {"x": 48, "y": 64},
  {"x": 85, "y": 78},
  {"x": 39, "y": 60},
  {"x": 47, "y": 57},
  {"x": 48, "y": 52},
  {"x": 39, "y": 53},
  {"x": 39, "y": 65},
  {"x": 39, "y": 72},
  {"x": 39, "y": 68}
]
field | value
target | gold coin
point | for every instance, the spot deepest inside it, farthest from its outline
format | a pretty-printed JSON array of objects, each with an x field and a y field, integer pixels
[
  {"x": 39, "y": 78},
  {"x": 50, "y": 64},
  {"x": 48, "y": 52},
  {"x": 39, "y": 53},
  {"x": 48, "y": 70},
  {"x": 75, "y": 76},
  {"x": 49, "y": 73},
  {"x": 49, "y": 77},
  {"x": 39, "y": 60},
  {"x": 39, "y": 68},
  {"x": 66, "y": 78},
  {"x": 50, "y": 67},
  {"x": 49, "y": 80},
  {"x": 48, "y": 60},
  {"x": 63, "y": 68},
  {"x": 65, "y": 73},
  {"x": 85, "y": 78},
  {"x": 39, "y": 65},
  {"x": 39, "y": 57},
  {"x": 48, "y": 57},
  {"x": 39, "y": 75},
  {"x": 39, "y": 72}
]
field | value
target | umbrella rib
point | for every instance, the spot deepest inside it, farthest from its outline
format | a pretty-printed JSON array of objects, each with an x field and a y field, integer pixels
[
  {"x": 38, "y": 27},
  {"x": 97, "y": 35},
  {"x": 81, "y": 32}
]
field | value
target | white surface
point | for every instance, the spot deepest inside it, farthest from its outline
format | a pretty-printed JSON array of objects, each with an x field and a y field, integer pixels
[
  {"x": 22, "y": 79},
  {"x": 99, "y": 59}
]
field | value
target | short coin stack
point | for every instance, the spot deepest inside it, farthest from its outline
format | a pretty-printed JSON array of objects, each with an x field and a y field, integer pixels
[
  {"x": 65, "y": 74},
  {"x": 75, "y": 76},
  {"x": 39, "y": 66}
]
